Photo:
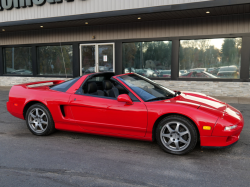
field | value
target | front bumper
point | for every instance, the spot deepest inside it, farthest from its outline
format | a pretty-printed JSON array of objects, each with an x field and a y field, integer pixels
[
  {"x": 221, "y": 137},
  {"x": 217, "y": 147},
  {"x": 219, "y": 141}
]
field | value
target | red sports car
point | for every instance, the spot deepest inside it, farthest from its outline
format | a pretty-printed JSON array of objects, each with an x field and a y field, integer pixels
[{"x": 128, "y": 106}]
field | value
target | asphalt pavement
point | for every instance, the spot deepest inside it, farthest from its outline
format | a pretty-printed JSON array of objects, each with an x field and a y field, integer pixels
[{"x": 73, "y": 159}]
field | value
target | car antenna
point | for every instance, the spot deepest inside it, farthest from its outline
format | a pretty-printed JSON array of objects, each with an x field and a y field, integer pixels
[{"x": 63, "y": 60}]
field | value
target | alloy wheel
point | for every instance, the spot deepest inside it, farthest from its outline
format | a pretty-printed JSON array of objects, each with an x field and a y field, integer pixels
[
  {"x": 175, "y": 136},
  {"x": 38, "y": 120}
]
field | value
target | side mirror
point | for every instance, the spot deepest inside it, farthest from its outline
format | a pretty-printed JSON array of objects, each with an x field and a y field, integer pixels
[{"x": 124, "y": 98}]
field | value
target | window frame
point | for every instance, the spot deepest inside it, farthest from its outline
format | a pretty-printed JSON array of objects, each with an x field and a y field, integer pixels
[
  {"x": 80, "y": 92},
  {"x": 148, "y": 40},
  {"x": 3, "y": 64},
  {"x": 54, "y": 44},
  {"x": 210, "y": 79},
  {"x": 245, "y": 58},
  {"x": 35, "y": 60}
]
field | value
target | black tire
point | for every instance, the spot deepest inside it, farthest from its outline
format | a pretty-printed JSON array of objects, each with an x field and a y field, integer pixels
[
  {"x": 40, "y": 119},
  {"x": 170, "y": 140}
]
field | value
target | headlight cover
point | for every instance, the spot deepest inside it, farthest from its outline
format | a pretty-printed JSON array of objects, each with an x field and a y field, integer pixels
[{"x": 230, "y": 127}]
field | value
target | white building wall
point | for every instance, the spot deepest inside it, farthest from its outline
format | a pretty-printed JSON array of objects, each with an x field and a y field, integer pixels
[{"x": 81, "y": 7}]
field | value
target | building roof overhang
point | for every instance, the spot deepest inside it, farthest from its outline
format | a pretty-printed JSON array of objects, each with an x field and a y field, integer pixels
[{"x": 169, "y": 12}]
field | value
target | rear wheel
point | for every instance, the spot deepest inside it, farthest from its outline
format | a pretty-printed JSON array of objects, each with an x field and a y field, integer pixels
[
  {"x": 176, "y": 135},
  {"x": 39, "y": 120}
]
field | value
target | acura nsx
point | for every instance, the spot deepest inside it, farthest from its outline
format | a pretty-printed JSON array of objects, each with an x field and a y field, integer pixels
[{"x": 127, "y": 106}]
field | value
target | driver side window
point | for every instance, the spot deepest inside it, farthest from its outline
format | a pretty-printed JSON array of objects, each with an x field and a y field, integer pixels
[{"x": 105, "y": 87}]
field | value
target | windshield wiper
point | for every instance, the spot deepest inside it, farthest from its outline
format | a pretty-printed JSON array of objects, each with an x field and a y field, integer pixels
[{"x": 157, "y": 98}]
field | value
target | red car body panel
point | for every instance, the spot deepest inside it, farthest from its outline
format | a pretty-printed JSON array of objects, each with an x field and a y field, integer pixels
[
  {"x": 107, "y": 115},
  {"x": 103, "y": 116}
]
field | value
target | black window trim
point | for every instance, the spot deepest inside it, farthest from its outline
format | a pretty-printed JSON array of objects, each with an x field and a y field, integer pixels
[
  {"x": 3, "y": 65},
  {"x": 53, "y": 44},
  {"x": 245, "y": 58},
  {"x": 35, "y": 60}
]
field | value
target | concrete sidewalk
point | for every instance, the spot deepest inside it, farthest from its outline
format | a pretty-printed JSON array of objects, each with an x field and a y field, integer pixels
[{"x": 236, "y": 100}]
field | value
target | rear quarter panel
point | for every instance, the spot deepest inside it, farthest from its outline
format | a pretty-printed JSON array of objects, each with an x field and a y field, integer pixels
[{"x": 19, "y": 96}]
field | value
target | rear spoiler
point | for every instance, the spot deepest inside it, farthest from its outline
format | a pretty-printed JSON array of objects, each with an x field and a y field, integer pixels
[{"x": 25, "y": 85}]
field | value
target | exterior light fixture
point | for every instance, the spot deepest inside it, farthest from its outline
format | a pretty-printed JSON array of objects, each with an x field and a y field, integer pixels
[
  {"x": 230, "y": 127},
  {"x": 139, "y": 17},
  {"x": 41, "y": 26},
  {"x": 207, "y": 12},
  {"x": 3, "y": 29},
  {"x": 207, "y": 128},
  {"x": 86, "y": 23}
]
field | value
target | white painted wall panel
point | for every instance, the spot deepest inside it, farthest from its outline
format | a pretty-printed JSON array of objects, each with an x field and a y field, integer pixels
[{"x": 82, "y": 7}]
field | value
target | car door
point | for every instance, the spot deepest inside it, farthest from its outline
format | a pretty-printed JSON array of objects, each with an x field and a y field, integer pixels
[
  {"x": 126, "y": 119},
  {"x": 88, "y": 111},
  {"x": 106, "y": 114}
]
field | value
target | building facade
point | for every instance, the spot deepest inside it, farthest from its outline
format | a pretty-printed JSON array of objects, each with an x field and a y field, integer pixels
[{"x": 194, "y": 45}]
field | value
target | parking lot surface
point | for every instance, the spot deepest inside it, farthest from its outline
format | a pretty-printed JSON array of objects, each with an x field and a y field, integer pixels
[{"x": 73, "y": 159}]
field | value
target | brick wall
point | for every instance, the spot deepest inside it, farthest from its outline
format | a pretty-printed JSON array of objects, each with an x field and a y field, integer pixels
[{"x": 224, "y": 89}]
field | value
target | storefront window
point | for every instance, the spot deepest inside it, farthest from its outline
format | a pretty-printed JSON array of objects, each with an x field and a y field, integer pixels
[
  {"x": 210, "y": 58},
  {"x": 55, "y": 60},
  {"x": 17, "y": 61},
  {"x": 150, "y": 59}
]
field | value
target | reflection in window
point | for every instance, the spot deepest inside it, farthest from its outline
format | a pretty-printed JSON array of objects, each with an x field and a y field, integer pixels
[
  {"x": 210, "y": 58},
  {"x": 17, "y": 61},
  {"x": 150, "y": 59},
  {"x": 88, "y": 59},
  {"x": 55, "y": 60}
]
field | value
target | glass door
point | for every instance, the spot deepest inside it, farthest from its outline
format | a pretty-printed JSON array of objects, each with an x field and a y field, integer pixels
[
  {"x": 96, "y": 58},
  {"x": 88, "y": 59}
]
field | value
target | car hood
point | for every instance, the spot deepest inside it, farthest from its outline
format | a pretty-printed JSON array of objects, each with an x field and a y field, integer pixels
[{"x": 201, "y": 102}]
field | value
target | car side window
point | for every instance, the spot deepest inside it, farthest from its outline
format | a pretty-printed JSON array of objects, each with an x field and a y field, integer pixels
[
  {"x": 123, "y": 90},
  {"x": 101, "y": 86},
  {"x": 63, "y": 87}
]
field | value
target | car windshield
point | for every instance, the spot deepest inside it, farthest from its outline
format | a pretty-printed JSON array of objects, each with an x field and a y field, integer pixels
[{"x": 146, "y": 89}]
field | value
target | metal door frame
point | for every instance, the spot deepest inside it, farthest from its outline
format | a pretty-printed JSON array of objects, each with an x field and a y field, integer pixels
[{"x": 96, "y": 55}]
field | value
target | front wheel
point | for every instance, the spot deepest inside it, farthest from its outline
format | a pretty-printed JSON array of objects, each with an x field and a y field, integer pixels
[
  {"x": 39, "y": 120},
  {"x": 176, "y": 135}
]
